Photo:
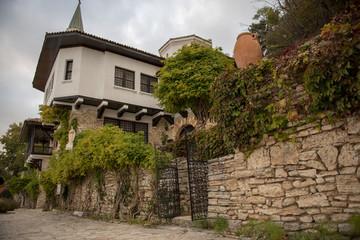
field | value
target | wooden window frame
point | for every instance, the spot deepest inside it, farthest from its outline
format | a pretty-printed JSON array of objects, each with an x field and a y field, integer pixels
[
  {"x": 146, "y": 83},
  {"x": 133, "y": 125},
  {"x": 124, "y": 81},
  {"x": 69, "y": 69}
]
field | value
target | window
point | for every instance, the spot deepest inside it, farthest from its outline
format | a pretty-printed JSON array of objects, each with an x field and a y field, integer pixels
[
  {"x": 68, "y": 70},
  {"x": 146, "y": 83},
  {"x": 124, "y": 78},
  {"x": 127, "y": 126}
]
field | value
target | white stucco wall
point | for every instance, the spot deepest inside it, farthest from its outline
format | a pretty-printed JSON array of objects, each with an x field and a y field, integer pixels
[
  {"x": 93, "y": 76},
  {"x": 175, "y": 44}
]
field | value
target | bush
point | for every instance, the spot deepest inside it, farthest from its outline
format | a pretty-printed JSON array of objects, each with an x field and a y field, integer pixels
[
  {"x": 220, "y": 225},
  {"x": 355, "y": 222},
  {"x": 260, "y": 229},
  {"x": 7, "y": 205},
  {"x": 203, "y": 223}
]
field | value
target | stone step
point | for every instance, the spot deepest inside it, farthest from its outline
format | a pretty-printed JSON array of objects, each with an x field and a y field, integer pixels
[{"x": 183, "y": 221}]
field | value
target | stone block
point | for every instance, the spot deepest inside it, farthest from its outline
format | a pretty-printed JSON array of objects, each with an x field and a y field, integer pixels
[
  {"x": 309, "y": 155},
  {"x": 276, "y": 203},
  {"x": 284, "y": 153},
  {"x": 330, "y": 179},
  {"x": 259, "y": 217},
  {"x": 321, "y": 218},
  {"x": 324, "y": 139},
  {"x": 314, "y": 200},
  {"x": 354, "y": 198},
  {"x": 311, "y": 173},
  {"x": 306, "y": 219},
  {"x": 287, "y": 185},
  {"x": 327, "y": 173},
  {"x": 312, "y": 211},
  {"x": 331, "y": 210},
  {"x": 348, "y": 156},
  {"x": 347, "y": 184},
  {"x": 280, "y": 173},
  {"x": 256, "y": 181},
  {"x": 302, "y": 184},
  {"x": 271, "y": 190},
  {"x": 315, "y": 164},
  {"x": 292, "y": 211},
  {"x": 292, "y": 226},
  {"x": 288, "y": 201},
  {"x": 319, "y": 180},
  {"x": 353, "y": 125},
  {"x": 259, "y": 159},
  {"x": 297, "y": 192},
  {"x": 340, "y": 217},
  {"x": 239, "y": 158},
  {"x": 264, "y": 173},
  {"x": 267, "y": 211},
  {"x": 348, "y": 170},
  {"x": 345, "y": 228},
  {"x": 244, "y": 174},
  {"x": 243, "y": 216},
  {"x": 338, "y": 204},
  {"x": 326, "y": 187},
  {"x": 256, "y": 199},
  {"x": 358, "y": 173},
  {"x": 288, "y": 219}
]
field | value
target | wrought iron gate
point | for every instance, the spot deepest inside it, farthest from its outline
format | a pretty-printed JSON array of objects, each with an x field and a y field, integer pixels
[
  {"x": 197, "y": 173},
  {"x": 167, "y": 185}
]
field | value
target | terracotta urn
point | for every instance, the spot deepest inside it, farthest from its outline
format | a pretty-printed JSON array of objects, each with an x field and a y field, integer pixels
[{"x": 247, "y": 49}]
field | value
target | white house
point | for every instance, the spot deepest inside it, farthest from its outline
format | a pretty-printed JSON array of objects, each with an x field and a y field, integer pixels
[{"x": 102, "y": 81}]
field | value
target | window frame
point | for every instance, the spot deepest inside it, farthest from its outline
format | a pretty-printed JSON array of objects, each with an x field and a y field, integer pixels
[
  {"x": 121, "y": 82},
  {"x": 134, "y": 126},
  {"x": 68, "y": 70},
  {"x": 148, "y": 87}
]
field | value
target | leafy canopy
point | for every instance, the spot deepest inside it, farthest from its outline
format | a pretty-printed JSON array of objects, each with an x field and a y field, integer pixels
[
  {"x": 13, "y": 158},
  {"x": 186, "y": 77}
]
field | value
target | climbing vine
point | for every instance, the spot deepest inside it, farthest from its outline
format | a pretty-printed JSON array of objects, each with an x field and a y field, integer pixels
[
  {"x": 250, "y": 103},
  {"x": 59, "y": 117}
]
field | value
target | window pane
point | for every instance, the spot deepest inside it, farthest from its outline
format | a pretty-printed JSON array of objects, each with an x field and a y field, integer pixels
[
  {"x": 127, "y": 126},
  {"x": 111, "y": 121}
]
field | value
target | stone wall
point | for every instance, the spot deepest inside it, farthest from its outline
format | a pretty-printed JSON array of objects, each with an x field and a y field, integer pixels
[
  {"x": 312, "y": 180},
  {"x": 84, "y": 196}
]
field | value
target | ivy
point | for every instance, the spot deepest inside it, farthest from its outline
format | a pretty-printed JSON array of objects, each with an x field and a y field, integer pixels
[
  {"x": 59, "y": 117},
  {"x": 250, "y": 103},
  {"x": 108, "y": 148}
]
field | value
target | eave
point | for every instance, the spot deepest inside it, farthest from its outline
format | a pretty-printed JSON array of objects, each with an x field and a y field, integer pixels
[{"x": 55, "y": 41}]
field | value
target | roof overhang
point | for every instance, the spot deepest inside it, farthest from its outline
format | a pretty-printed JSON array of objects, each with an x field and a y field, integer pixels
[{"x": 55, "y": 41}]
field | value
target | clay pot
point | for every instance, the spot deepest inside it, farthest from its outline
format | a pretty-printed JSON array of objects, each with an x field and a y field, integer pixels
[{"x": 247, "y": 49}]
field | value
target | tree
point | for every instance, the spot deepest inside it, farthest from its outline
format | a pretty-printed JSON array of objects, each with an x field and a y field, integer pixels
[
  {"x": 13, "y": 158},
  {"x": 185, "y": 79},
  {"x": 290, "y": 22},
  {"x": 268, "y": 18}
]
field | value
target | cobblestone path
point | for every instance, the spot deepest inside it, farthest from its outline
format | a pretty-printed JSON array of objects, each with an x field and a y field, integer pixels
[{"x": 33, "y": 224}]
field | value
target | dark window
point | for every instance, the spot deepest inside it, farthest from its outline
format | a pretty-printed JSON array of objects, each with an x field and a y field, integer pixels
[
  {"x": 127, "y": 126},
  {"x": 68, "y": 71},
  {"x": 147, "y": 83},
  {"x": 124, "y": 78}
]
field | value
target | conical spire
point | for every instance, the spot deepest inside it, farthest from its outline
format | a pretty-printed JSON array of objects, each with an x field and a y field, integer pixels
[{"x": 76, "y": 21}]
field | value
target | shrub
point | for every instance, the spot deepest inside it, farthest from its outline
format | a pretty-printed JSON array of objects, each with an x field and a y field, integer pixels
[
  {"x": 259, "y": 229},
  {"x": 203, "y": 223},
  {"x": 220, "y": 225},
  {"x": 355, "y": 222},
  {"x": 7, "y": 205}
]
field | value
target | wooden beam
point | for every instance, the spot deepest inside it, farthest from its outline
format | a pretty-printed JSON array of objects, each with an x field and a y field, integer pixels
[
  {"x": 140, "y": 114},
  {"x": 78, "y": 103},
  {"x": 122, "y": 110},
  {"x": 101, "y": 109}
]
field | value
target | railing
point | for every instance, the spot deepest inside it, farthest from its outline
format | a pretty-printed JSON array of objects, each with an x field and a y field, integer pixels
[{"x": 41, "y": 150}]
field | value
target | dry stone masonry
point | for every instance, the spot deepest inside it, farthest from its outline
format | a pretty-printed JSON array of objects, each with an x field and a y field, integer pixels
[{"x": 314, "y": 179}]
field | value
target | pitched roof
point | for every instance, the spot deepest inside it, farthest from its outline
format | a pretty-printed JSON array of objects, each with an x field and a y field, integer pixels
[{"x": 75, "y": 38}]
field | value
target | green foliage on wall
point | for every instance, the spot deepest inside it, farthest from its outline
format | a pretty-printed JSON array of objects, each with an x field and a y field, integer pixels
[
  {"x": 186, "y": 77},
  {"x": 256, "y": 101},
  {"x": 59, "y": 117},
  {"x": 18, "y": 184},
  {"x": 108, "y": 148}
]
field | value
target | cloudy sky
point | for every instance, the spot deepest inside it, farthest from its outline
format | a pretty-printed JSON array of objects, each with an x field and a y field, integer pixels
[{"x": 143, "y": 24}]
